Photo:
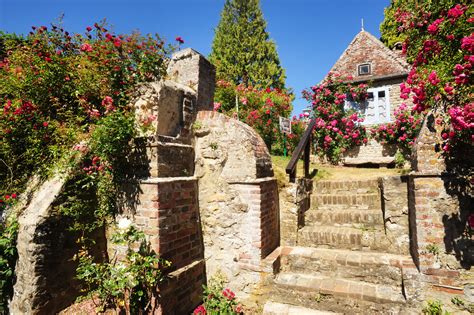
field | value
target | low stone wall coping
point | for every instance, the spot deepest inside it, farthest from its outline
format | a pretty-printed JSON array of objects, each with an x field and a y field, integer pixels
[
  {"x": 253, "y": 181},
  {"x": 157, "y": 180}
]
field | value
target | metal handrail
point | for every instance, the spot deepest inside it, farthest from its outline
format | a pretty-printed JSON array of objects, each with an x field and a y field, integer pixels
[{"x": 304, "y": 144}]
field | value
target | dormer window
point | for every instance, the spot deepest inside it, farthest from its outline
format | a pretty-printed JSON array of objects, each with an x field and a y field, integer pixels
[{"x": 364, "y": 69}]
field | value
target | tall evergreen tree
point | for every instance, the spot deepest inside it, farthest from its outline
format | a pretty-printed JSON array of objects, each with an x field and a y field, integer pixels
[{"x": 242, "y": 51}]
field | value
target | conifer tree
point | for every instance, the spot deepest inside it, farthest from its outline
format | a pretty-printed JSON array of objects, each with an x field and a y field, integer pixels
[{"x": 242, "y": 51}]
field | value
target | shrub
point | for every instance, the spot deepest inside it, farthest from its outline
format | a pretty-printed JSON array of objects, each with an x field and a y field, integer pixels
[
  {"x": 439, "y": 45},
  {"x": 337, "y": 128},
  {"x": 129, "y": 285},
  {"x": 8, "y": 255},
  {"x": 402, "y": 132},
  {"x": 59, "y": 90},
  {"x": 218, "y": 300},
  {"x": 259, "y": 108}
]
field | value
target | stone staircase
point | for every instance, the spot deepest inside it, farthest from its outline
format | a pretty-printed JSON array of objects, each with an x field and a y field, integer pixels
[{"x": 343, "y": 261}]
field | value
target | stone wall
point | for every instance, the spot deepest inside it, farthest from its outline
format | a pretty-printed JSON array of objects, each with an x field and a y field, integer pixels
[
  {"x": 371, "y": 153},
  {"x": 394, "y": 196},
  {"x": 46, "y": 270},
  {"x": 441, "y": 202},
  {"x": 161, "y": 196},
  {"x": 238, "y": 198},
  {"x": 191, "y": 69},
  {"x": 295, "y": 200}
]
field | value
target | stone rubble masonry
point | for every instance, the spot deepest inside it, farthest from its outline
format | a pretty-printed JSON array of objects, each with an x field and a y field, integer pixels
[
  {"x": 295, "y": 200},
  {"x": 190, "y": 68},
  {"x": 45, "y": 270},
  {"x": 161, "y": 159},
  {"x": 238, "y": 200},
  {"x": 372, "y": 152},
  {"x": 172, "y": 104},
  {"x": 394, "y": 194},
  {"x": 162, "y": 194},
  {"x": 442, "y": 203}
]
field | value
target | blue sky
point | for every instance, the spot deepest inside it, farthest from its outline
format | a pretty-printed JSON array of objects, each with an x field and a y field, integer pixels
[{"x": 310, "y": 34}]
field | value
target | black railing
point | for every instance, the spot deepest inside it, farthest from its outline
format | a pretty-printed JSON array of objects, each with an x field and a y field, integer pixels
[{"x": 304, "y": 144}]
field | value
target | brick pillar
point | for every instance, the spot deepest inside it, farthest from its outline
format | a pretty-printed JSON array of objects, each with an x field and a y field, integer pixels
[{"x": 168, "y": 213}]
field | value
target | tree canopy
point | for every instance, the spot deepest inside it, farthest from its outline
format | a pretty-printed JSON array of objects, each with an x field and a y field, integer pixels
[{"x": 242, "y": 50}]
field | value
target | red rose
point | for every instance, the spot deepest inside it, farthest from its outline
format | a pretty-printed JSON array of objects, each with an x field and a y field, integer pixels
[
  {"x": 45, "y": 124},
  {"x": 470, "y": 220},
  {"x": 179, "y": 39}
]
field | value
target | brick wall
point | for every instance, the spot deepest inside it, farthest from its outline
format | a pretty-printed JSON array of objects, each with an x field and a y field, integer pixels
[
  {"x": 167, "y": 210},
  {"x": 238, "y": 198},
  {"x": 262, "y": 219}
]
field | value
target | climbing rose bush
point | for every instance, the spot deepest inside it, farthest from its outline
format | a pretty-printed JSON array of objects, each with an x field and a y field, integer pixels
[
  {"x": 55, "y": 86},
  {"x": 337, "y": 128},
  {"x": 58, "y": 89},
  {"x": 439, "y": 44},
  {"x": 259, "y": 108},
  {"x": 402, "y": 132}
]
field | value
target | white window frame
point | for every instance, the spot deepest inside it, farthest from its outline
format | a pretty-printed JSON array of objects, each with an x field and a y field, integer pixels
[{"x": 375, "y": 92}]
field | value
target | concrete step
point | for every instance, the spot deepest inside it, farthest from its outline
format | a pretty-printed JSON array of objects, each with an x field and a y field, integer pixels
[
  {"x": 367, "y": 199},
  {"x": 275, "y": 308},
  {"x": 342, "y": 237},
  {"x": 346, "y": 186},
  {"x": 344, "y": 217},
  {"x": 371, "y": 267},
  {"x": 357, "y": 290}
]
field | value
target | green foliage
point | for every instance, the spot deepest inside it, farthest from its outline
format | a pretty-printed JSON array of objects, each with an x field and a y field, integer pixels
[
  {"x": 60, "y": 91},
  {"x": 242, "y": 51},
  {"x": 389, "y": 27},
  {"x": 399, "y": 159},
  {"x": 218, "y": 299},
  {"x": 463, "y": 304},
  {"x": 438, "y": 41},
  {"x": 337, "y": 127},
  {"x": 55, "y": 86},
  {"x": 433, "y": 249},
  {"x": 259, "y": 108},
  {"x": 434, "y": 308},
  {"x": 402, "y": 132},
  {"x": 8, "y": 256},
  {"x": 129, "y": 284}
]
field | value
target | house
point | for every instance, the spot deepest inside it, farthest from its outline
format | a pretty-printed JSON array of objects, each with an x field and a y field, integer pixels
[{"x": 368, "y": 60}]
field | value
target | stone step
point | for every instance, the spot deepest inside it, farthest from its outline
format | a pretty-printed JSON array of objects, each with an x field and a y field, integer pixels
[
  {"x": 344, "y": 217},
  {"x": 369, "y": 199},
  {"x": 275, "y": 308},
  {"x": 346, "y": 186},
  {"x": 372, "y": 267},
  {"x": 342, "y": 237},
  {"x": 358, "y": 290}
]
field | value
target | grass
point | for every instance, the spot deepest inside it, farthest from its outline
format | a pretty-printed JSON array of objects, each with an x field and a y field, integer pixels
[{"x": 330, "y": 172}]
